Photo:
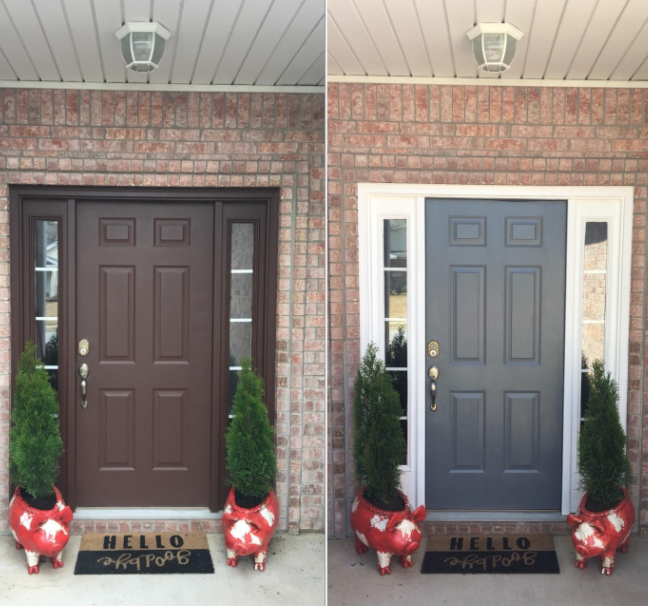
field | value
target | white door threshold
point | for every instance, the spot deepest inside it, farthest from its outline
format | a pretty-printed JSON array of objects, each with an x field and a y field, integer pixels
[
  {"x": 494, "y": 516},
  {"x": 135, "y": 513}
]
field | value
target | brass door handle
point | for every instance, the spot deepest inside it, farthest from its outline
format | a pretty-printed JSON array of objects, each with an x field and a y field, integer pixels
[
  {"x": 84, "y": 371},
  {"x": 433, "y": 373}
]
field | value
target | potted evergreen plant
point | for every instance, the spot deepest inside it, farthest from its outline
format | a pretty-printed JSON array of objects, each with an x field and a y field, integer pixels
[
  {"x": 251, "y": 511},
  {"x": 381, "y": 517},
  {"x": 604, "y": 520},
  {"x": 38, "y": 516}
]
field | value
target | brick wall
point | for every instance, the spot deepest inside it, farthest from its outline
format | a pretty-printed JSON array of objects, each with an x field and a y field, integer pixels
[
  {"x": 475, "y": 135},
  {"x": 140, "y": 139}
]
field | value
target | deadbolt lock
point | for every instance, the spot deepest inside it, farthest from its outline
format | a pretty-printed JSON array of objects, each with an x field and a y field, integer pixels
[
  {"x": 433, "y": 349},
  {"x": 84, "y": 347}
]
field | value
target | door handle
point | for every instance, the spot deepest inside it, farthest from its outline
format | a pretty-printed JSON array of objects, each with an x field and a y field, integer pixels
[
  {"x": 84, "y": 371},
  {"x": 433, "y": 373}
]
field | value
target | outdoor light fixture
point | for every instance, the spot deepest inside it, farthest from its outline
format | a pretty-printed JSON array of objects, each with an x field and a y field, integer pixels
[
  {"x": 494, "y": 45},
  {"x": 142, "y": 44}
]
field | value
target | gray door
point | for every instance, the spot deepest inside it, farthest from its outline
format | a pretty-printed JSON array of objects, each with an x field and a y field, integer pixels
[{"x": 495, "y": 302}]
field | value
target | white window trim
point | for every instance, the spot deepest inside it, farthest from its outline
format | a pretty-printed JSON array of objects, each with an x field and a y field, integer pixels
[{"x": 379, "y": 201}]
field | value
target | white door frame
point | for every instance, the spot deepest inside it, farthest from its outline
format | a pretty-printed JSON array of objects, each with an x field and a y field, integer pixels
[{"x": 379, "y": 201}]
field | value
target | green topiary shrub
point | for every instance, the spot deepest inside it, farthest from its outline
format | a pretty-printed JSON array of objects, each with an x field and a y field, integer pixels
[
  {"x": 35, "y": 437},
  {"x": 602, "y": 461},
  {"x": 379, "y": 444},
  {"x": 251, "y": 461}
]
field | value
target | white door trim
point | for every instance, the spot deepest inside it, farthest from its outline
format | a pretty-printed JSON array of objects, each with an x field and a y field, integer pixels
[{"x": 378, "y": 201}]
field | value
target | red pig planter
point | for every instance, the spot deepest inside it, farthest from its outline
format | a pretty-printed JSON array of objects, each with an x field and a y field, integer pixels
[
  {"x": 603, "y": 533},
  {"x": 40, "y": 533},
  {"x": 388, "y": 532},
  {"x": 248, "y": 531}
]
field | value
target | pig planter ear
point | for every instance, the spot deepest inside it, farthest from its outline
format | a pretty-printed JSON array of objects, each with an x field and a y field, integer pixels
[{"x": 388, "y": 532}]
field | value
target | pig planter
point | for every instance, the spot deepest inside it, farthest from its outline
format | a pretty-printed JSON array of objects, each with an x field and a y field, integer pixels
[
  {"x": 248, "y": 531},
  {"x": 40, "y": 532},
  {"x": 388, "y": 532},
  {"x": 602, "y": 533}
]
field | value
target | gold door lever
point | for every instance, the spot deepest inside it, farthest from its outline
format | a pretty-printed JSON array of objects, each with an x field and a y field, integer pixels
[{"x": 433, "y": 373}]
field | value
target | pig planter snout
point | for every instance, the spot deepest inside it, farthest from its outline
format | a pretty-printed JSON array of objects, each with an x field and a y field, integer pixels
[
  {"x": 248, "y": 531},
  {"x": 388, "y": 532},
  {"x": 602, "y": 533},
  {"x": 40, "y": 532}
]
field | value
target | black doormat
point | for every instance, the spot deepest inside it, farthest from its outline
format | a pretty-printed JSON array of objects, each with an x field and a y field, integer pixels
[
  {"x": 491, "y": 554},
  {"x": 145, "y": 553}
]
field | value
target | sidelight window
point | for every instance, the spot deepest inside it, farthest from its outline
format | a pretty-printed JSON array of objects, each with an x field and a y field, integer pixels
[
  {"x": 595, "y": 270},
  {"x": 395, "y": 293},
  {"x": 46, "y": 289},
  {"x": 241, "y": 300}
]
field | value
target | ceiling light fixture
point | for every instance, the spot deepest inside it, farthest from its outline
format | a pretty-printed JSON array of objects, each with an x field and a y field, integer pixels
[
  {"x": 494, "y": 45},
  {"x": 142, "y": 44}
]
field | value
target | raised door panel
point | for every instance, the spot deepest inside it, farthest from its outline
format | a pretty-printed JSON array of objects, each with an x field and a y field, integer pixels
[
  {"x": 467, "y": 311},
  {"x": 522, "y": 325},
  {"x": 169, "y": 410},
  {"x": 117, "y": 313},
  {"x": 468, "y": 425},
  {"x": 521, "y": 420},
  {"x": 171, "y": 311},
  {"x": 117, "y": 430}
]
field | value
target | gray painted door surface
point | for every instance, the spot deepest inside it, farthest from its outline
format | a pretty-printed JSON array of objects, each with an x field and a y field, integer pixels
[{"x": 495, "y": 302}]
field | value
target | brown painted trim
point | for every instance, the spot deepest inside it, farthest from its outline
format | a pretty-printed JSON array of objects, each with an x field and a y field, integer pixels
[{"x": 62, "y": 200}]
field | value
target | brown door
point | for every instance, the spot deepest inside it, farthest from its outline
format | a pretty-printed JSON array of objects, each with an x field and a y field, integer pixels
[{"x": 144, "y": 281}]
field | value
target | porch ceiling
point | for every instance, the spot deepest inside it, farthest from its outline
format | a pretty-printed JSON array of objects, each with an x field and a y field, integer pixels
[
  {"x": 213, "y": 42},
  {"x": 570, "y": 40}
]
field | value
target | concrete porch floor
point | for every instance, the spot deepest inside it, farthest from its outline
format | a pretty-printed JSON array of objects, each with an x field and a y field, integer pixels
[
  {"x": 354, "y": 581},
  {"x": 294, "y": 576}
]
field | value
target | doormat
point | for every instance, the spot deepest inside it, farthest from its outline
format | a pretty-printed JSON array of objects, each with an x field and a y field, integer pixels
[
  {"x": 491, "y": 554},
  {"x": 147, "y": 553}
]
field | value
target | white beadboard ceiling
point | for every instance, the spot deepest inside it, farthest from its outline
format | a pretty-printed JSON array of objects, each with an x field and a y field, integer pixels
[
  {"x": 597, "y": 40},
  {"x": 214, "y": 42}
]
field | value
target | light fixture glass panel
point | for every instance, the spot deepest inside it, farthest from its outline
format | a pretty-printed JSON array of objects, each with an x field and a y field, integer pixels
[
  {"x": 142, "y": 43},
  {"x": 511, "y": 49},
  {"x": 494, "y": 47},
  {"x": 478, "y": 51},
  {"x": 158, "y": 49}
]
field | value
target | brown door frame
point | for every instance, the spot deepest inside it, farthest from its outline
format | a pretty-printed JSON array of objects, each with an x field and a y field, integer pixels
[{"x": 257, "y": 205}]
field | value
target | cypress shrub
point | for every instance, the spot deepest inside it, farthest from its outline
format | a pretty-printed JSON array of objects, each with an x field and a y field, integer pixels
[
  {"x": 35, "y": 438},
  {"x": 251, "y": 461},
  {"x": 379, "y": 444},
  {"x": 602, "y": 461}
]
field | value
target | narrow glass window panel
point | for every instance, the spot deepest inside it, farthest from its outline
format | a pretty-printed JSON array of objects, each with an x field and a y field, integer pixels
[
  {"x": 46, "y": 292},
  {"x": 395, "y": 233},
  {"x": 231, "y": 389},
  {"x": 594, "y": 292},
  {"x": 242, "y": 246},
  {"x": 396, "y": 344},
  {"x": 241, "y": 286},
  {"x": 46, "y": 243},
  {"x": 403, "y": 424},
  {"x": 399, "y": 378},
  {"x": 396, "y": 294}
]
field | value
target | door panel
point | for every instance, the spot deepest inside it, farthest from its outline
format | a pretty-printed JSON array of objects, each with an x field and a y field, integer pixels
[
  {"x": 495, "y": 299},
  {"x": 145, "y": 303}
]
